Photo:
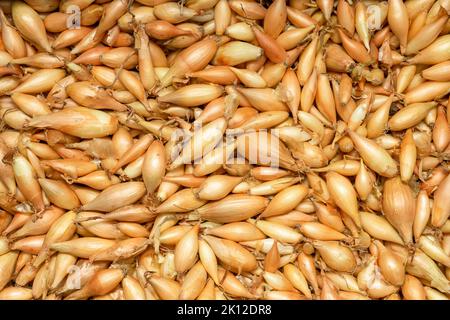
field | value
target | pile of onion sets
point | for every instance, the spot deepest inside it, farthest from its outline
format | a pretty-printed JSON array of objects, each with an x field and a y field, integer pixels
[{"x": 214, "y": 149}]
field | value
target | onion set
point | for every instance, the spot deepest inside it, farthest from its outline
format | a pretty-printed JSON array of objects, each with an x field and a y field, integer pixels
[{"x": 213, "y": 149}]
